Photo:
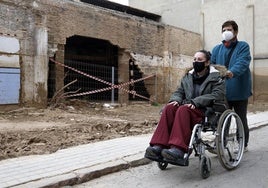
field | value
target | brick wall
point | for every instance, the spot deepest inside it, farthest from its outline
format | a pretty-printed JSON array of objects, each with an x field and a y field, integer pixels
[{"x": 62, "y": 19}]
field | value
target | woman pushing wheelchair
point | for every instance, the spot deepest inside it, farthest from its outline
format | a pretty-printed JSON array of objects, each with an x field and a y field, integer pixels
[{"x": 198, "y": 89}]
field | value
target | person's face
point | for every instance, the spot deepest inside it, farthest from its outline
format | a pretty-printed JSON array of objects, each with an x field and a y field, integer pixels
[
  {"x": 200, "y": 57},
  {"x": 229, "y": 28}
]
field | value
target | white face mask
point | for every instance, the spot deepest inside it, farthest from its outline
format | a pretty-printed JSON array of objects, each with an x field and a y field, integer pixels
[{"x": 227, "y": 35}]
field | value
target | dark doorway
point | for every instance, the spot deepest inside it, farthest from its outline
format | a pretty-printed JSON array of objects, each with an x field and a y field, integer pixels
[
  {"x": 51, "y": 83},
  {"x": 134, "y": 74},
  {"x": 95, "y": 57}
]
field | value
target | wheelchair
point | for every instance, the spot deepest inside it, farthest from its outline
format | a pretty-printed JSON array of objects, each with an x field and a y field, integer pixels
[{"x": 227, "y": 130}]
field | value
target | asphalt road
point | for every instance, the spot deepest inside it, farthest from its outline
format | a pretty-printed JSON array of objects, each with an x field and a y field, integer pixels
[{"x": 252, "y": 172}]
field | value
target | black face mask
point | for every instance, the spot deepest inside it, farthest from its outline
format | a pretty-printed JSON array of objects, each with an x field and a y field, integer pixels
[{"x": 199, "y": 66}]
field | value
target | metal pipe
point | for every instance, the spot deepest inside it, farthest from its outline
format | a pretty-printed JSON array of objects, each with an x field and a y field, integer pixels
[
  {"x": 112, "y": 85},
  {"x": 203, "y": 29},
  {"x": 260, "y": 58},
  {"x": 253, "y": 51}
]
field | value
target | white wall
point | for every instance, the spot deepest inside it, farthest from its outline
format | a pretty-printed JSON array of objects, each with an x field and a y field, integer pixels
[
  {"x": 206, "y": 17},
  {"x": 9, "y": 49},
  {"x": 173, "y": 12},
  {"x": 217, "y": 12},
  {"x": 252, "y": 19}
]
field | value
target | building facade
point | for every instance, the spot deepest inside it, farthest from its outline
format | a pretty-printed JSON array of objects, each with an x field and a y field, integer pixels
[{"x": 44, "y": 46}]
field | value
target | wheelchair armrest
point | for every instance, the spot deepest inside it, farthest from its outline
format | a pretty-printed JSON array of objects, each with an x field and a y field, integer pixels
[
  {"x": 209, "y": 111},
  {"x": 219, "y": 106},
  {"x": 216, "y": 106}
]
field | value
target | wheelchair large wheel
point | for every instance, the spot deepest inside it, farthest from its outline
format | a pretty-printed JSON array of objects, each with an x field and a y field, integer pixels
[{"x": 230, "y": 140}]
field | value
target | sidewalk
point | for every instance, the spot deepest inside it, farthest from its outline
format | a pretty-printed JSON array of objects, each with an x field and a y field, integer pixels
[{"x": 85, "y": 162}]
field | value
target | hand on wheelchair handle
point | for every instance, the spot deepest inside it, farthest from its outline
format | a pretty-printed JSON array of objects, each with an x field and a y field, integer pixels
[{"x": 229, "y": 74}]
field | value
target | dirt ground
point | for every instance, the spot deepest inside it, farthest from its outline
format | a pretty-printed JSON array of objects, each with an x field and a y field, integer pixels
[{"x": 28, "y": 131}]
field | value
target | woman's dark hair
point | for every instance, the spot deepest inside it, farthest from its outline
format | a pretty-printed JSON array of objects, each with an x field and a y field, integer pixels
[
  {"x": 230, "y": 23},
  {"x": 207, "y": 54}
]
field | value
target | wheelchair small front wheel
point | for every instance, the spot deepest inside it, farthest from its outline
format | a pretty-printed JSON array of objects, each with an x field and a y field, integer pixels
[
  {"x": 162, "y": 165},
  {"x": 204, "y": 167}
]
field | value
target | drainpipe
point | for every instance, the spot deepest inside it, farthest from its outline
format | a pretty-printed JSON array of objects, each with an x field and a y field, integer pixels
[
  {"x": 203, "y": 24},
  {"x": 203, "y": 29},
  {"x": 253, "y": 51}
]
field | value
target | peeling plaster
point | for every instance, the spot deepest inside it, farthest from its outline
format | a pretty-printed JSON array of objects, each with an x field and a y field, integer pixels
[
  {"x": 179, "y": 62},
  {"x": 9, "y": 44},
  {"x": 169, "y": 70}
]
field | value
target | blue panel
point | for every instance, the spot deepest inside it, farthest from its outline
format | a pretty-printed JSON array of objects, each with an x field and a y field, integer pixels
[
  {"x": 9, "y": 85},
  {"x": 10, "y": 70}
]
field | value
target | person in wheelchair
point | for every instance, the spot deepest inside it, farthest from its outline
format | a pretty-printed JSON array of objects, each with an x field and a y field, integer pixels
[{"x": 200, "y": 86}]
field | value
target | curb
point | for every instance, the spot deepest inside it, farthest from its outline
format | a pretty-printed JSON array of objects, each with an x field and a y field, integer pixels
[
  {"x": 89, "y": 173},
  {"x": 258, "y": 126}
]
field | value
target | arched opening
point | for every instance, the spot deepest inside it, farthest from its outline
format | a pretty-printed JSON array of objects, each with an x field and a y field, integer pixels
[{"x": 95, "y": 57}]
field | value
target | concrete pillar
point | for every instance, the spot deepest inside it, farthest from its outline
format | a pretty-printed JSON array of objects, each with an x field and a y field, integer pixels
[
  {"x": 40, "y": 65},
  {"x": 59, "y": 70},
  {"x": 123, "y": 75}
]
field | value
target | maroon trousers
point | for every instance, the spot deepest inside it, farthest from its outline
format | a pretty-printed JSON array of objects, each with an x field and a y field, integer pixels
[{"x": 175, "y": 126}]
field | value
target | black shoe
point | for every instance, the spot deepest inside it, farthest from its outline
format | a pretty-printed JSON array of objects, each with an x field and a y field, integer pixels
[
  {"x": 173, "y": 153},
  {"x": 174, "y": 156},
  {"x": 154, "y": 153}
]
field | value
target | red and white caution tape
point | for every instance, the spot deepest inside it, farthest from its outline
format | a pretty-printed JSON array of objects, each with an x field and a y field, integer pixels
[{"x": 113, "y": 86}]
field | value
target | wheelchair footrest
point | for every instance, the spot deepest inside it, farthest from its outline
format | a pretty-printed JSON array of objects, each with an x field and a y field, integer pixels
[
  {"x": 154, "y": 158},
  {"x": 178, "y": 162}
]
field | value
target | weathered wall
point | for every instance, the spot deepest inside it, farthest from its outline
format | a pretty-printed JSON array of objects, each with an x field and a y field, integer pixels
[
  {"x": 179, "y": 13},
  {"x": 134, "y": 35},
  {"x": 67, "y": 18},
  {"x": 169, "y": 69},
  {"x": 43, "y": 26},
  {"x": 26, "y": 25}
]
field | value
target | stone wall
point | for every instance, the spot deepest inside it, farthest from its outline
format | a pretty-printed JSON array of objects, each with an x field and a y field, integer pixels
[
  {"x": 43, "y": 26},
  {"x": 26, "y": 25}
]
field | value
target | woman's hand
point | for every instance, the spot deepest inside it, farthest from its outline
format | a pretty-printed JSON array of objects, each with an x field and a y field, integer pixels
[
  {"x": 174, "y": 103},
  {"x": 190, "y": 106}
]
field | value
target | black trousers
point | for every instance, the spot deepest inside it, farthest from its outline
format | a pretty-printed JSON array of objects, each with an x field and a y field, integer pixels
[{"x": 240, "y": 107}]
